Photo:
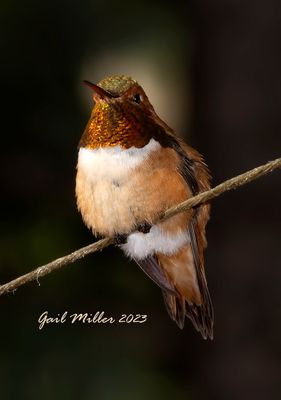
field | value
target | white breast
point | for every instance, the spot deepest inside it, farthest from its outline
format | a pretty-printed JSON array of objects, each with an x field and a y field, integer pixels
[{"x": 113, "y": 162}]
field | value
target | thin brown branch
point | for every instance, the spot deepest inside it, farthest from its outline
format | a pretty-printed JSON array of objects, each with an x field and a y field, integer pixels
[{"x": 203, "y": 197}]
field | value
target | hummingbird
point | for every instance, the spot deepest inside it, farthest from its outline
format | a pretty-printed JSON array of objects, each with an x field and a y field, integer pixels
[{"x": 131, "y": 168}]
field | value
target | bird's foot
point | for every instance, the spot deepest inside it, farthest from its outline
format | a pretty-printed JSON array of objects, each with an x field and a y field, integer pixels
[
  {"x": 144, "y": 227},
  {"x": 120, "y": 239}
]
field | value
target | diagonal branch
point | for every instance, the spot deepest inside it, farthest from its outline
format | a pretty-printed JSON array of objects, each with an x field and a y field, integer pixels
[{"x": 203, "y": 197}]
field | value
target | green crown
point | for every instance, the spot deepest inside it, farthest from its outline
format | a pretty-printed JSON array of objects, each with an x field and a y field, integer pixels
[{"x": 117, "y": 84}]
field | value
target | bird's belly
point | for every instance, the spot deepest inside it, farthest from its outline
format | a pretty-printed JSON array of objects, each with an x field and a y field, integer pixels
[
  {"x": 118, "y": 207},
  {"x": 114, "y": 205}
]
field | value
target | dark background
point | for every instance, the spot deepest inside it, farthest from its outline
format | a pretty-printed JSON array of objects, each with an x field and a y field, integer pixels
[{"x": 212, "y": 70}]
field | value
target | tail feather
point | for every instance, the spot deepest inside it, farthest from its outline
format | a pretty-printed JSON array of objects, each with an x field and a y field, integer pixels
[
  {"x": 201, "y": 320},
  {"x": 178, "y": 308}
]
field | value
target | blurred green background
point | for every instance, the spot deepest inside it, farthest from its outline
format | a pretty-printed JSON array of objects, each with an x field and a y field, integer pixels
[{"x": 212, "y": 71}]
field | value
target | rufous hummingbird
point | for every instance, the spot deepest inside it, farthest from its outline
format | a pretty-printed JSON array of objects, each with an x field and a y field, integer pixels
[{"x": 131, "y": 168}]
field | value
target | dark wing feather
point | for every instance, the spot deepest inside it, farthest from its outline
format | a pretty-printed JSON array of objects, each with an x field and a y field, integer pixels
[
  {"x": 201, "y": 316},
  {"x": 151, "y": 267}
]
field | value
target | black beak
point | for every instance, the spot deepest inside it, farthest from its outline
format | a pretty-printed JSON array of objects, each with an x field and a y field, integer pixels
[{"x": 101, "y": 92}]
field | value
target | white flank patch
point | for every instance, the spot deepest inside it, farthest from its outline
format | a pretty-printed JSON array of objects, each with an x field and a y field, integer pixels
[
  {"x": 140, "y": 245},
  {"x": 113, "y": 162}
]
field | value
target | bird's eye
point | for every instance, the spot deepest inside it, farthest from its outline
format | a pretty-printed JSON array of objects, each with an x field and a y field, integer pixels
[{"x": 137, "y": 98}]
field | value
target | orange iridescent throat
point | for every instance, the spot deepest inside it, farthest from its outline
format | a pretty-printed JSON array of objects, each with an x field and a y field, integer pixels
[{"x": 115, "y": 122}]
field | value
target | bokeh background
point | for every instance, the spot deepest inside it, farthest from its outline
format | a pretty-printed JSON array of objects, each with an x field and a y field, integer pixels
[{"x": 212, "y": 71}]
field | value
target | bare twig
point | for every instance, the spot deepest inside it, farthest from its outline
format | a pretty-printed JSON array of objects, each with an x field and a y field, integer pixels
[{"x": 203, "y": 197}]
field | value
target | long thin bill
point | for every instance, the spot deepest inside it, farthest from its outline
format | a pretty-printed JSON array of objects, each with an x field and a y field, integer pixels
[{"x": 101, "y": 92}]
